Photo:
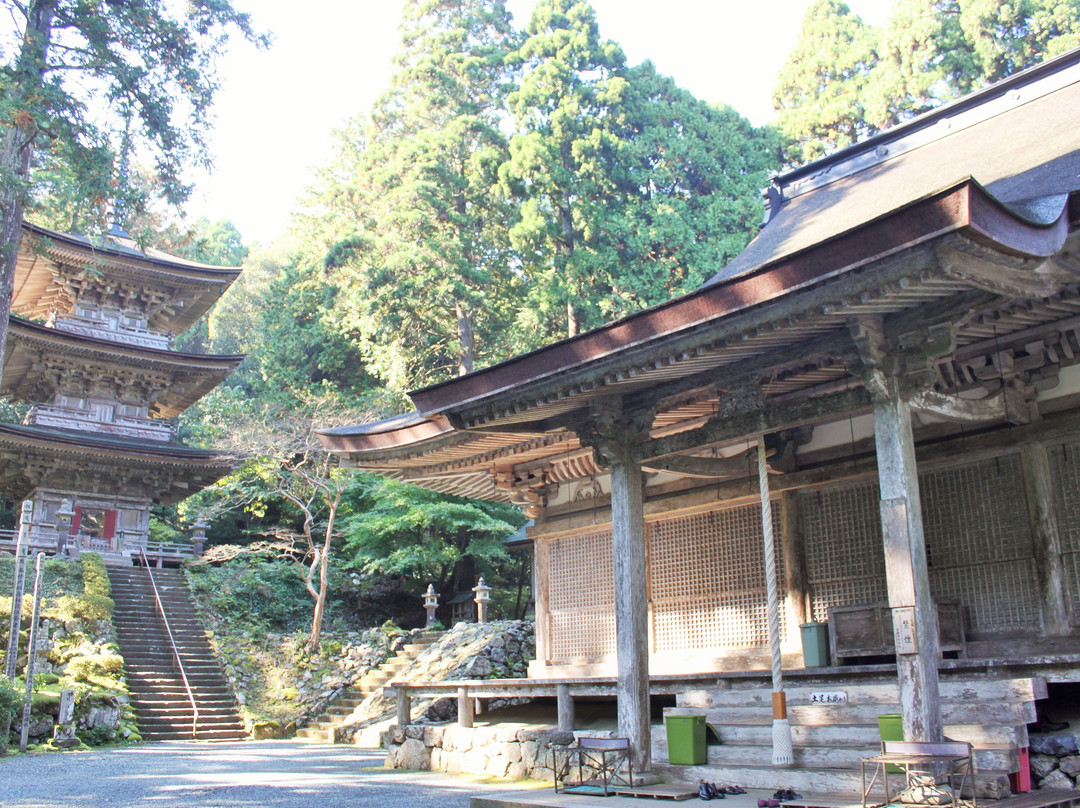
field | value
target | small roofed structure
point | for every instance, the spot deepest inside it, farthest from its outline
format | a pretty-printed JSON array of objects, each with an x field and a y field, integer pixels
[
  {"x": 89, "y": 348},
  {"x": 902, "y": 339}
]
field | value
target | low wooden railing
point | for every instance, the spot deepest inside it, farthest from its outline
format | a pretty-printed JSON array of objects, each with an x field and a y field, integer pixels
[{"x": 562, "y": 690}]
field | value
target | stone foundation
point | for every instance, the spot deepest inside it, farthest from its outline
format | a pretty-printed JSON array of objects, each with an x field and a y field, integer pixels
[
  {"x": 1055, "y": 760},
  {"x": 512, "y": 751}
]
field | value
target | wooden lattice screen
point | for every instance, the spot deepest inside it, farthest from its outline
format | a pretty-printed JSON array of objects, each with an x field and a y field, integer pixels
[
  {"x": 1065, "y": 468},
  {"x": 978, "y": 542},
  {"x": 706, "y": 578}
]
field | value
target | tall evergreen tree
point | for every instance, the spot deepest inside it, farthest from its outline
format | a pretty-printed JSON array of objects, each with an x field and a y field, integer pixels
[
  {"x": 427, "y": 269},
  {"x": 567, "y": 160},
  {"x": 820, "y": 92},
  {"x": 846, "y": 80}
]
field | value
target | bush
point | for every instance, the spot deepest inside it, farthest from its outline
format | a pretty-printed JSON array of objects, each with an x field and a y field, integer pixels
[
  {"x": 84, "y": 607},
  {"x": 95, "y": 576},
  {"x": 86, "y": 669}
]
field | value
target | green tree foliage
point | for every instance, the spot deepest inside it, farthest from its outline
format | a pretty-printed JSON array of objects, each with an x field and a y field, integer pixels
[
  {"x": 399, "y": 529},
  {"x": 86, "y": 74},
  {"x": 631, "y": 189},
  {"x": 426, "y": 268},
  {"x": 566, "y": 160},
  {"x": 846, "y": 80},
  {"x": 820, "y": 93}
]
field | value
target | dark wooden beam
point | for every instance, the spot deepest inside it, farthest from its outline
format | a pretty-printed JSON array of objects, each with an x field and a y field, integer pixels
[{"x": 758, "y": 422}]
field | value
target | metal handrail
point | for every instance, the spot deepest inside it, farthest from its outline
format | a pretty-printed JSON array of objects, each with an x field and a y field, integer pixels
[{"x": 176, "y": 651}]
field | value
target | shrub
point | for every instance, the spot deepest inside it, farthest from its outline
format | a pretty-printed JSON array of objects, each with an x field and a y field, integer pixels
[
  {"x": 95, "y": 576},
  {"x": 85, "y": 607},
  {"x": 86, "y": 669}
]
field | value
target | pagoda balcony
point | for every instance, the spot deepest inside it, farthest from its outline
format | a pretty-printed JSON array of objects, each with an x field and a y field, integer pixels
[
  {"x": 87, "y": 420},
  {"x": 110, "y": 329}
]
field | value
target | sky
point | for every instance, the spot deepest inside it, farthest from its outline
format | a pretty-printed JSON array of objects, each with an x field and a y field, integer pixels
[{"x": 332, "y": 58}]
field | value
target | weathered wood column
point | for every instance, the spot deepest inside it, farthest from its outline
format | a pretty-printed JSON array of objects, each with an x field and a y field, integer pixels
[
  {"x": 631, "y": 605},
  {"x": 894, "y": 371},
  {"x": 614, "y": 435},
  {"x": 797, "y": 594},
  {"x": 914, "y": 619},
  {"x": 1045, "y": 538}
]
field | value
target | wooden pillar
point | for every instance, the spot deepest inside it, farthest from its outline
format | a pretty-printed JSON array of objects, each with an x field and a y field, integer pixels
[
  {"x": 913, "y": 615},
  {"x": 1045, "y": 539},
  {"x": 631, "y": 605},
  {"x": 565, "y": 707},
  {"x": 404, "y": 707},
  {"x": 797, "y": 597},
  {"x": 465, "y": 714}
]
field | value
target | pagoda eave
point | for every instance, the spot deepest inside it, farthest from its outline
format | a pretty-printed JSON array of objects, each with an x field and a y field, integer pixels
[{"x": 164, "y": 472}]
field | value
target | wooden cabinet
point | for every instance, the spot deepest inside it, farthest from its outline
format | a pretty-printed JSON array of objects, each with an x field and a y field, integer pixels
[{"x": 867, "y": 630}]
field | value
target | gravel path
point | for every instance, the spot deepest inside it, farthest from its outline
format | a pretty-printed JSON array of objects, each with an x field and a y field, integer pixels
[{"x": 193, "y": 775}]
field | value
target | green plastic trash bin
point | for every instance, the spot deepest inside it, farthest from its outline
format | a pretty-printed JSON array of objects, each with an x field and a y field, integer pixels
[
  {"x": 815, "y": 644},
  {"x": 685, "y": 739},
  {"x": 891, "y": 728}
]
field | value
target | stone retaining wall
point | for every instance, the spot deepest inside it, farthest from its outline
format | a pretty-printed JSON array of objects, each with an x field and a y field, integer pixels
[{"x": 511, "y": 751}]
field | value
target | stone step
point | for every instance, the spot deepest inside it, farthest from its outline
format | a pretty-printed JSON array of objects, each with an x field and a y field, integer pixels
[
  {"x": 864, "y": 714},
  {"x": 836, "y": 756},
  {"x": 817, "y": 780},
  {"x": 884, "y": 694}
]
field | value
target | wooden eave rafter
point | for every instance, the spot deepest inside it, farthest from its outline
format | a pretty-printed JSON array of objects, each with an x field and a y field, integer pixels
[{"x": 48, "y": 262}]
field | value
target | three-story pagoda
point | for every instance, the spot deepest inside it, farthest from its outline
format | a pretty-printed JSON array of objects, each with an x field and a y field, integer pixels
[{"x": 89, "y": 347}]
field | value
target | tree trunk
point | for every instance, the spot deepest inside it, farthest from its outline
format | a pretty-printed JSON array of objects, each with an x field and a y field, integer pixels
[
  {"x": 18, "y": 148},
  {"x": 467, "y": 338},
  {"x": 324, "y": 575}
]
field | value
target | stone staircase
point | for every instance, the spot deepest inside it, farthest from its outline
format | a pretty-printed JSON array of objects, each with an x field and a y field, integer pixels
[
  {"x": 324, "y": 728},
  {"x": 157, "y": 690},
  {"x": 830, "y": 739}
]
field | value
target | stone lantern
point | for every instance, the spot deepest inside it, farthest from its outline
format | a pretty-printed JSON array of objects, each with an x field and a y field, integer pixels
[
  {"x": 198, "y": 534},
  {"x": 431, "y": 603},
  {"x": 483, "y": 598},
  {"x": 63, "y": 525}
]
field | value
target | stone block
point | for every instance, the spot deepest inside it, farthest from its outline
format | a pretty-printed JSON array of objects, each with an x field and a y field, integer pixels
[
  {"x": 414, "y": 732},
  {"x": 1070, "y": 765},
  {"x": 517, "y": 771},
  {"x": 1056, "y": 779},
  {"x": 496, "y": 766},
  {"x": 433, "y": 736},
  {"x": 396, "y": 734},
  {"x": 506, "y": 735},
  {"x": 1042, "y": 765},
  {"x": 438, "y": 759},
  {"x": 263, "y": 730},
  {"x": 530, "y": 753},
  {"x": 414, "y": 755},
  {"x": 512, "y": 752},
  {"x": 453, "y": 763}
]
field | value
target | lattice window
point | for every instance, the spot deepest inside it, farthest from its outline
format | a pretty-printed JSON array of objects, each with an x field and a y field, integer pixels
[
  {"x": 845, "y": 564},
  {"x": 581, "y": 600},
  {"x": 1065, "y": 470},
  {"x": 978, "y": 542},
  {"x": 707, "y": 576}
]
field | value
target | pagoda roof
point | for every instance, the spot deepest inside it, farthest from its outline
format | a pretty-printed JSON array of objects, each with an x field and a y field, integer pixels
[
  {"x": 186, "y": 377},
  {"x": 50, "y": 260},
  {"x": 966, "y": 204},
  {"x": 167, "y": 472}
]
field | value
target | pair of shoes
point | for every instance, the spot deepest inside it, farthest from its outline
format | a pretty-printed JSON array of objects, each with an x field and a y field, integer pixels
[
  {"x": 786, "y": 794},
  {"x": 768, "y": 803},
  {"x": 710, "y": 791},
  {"x": 733, "y": 790}
]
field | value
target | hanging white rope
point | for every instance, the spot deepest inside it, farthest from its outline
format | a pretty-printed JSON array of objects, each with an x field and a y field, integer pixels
[{"x": 781, "y": 733}]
